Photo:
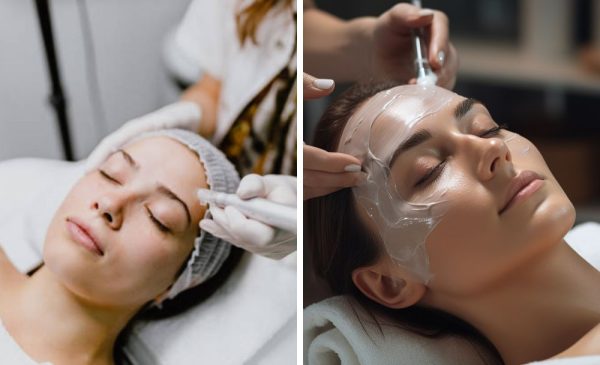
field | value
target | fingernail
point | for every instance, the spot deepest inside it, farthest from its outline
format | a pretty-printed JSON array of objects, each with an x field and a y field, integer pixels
[
  {"x": 425, "y": 12},
  {"x": 352, "y": 168},
  {"x": 441, "y": 57},
  {"x": 323, "y": 84}
]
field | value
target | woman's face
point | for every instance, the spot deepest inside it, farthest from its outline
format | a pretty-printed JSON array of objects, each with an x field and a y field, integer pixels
[
  {"x": 462, "y": 158},
  {"x": 140, "y": 210}
]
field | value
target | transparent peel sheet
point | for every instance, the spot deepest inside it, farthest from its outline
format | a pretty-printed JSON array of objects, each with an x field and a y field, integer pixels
[{"x": 373, "y": 134}]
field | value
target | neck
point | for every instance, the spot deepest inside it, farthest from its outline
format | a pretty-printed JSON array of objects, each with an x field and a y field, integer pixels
[
  {"x": 78, "y": 332},
  {"x": 539, "y": 311}
]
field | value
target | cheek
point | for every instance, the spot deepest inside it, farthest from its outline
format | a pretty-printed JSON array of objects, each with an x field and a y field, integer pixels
[
  {"x": 145, "y": 252},
  {"x": 76, "y": 202},
  {"x": 465, "y": 240}
]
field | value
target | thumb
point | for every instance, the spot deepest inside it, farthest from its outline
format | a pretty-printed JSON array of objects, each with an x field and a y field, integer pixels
[{"x": 316, "y": 88}]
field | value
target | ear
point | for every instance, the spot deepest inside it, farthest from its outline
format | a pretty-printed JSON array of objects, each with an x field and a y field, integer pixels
[{"x": 390, "y": 287}]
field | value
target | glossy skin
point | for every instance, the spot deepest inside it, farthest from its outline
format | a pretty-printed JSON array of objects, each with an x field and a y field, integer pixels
[
  {"x": 473, "y": 246},
  {"x": 140, "y": 260}
]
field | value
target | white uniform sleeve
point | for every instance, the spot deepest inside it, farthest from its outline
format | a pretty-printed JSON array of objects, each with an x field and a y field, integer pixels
[{"x": 203, "y": 34}]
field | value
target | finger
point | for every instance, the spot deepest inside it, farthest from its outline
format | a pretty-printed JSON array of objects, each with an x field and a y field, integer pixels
[
  {"x": 404, "y": 17},
  {"x": 251, "y": 186},
  {"x": 447, "y": 75},
  {"x": 282, "y": 180},
  {"x": 321, "y": 160},
  {"x": 252, "y": 231},
  {"x": 276, "y": 188},
  {"x": 333, "y": 180},
  {"x": 317, "y": 88},
  {"x": 280, "y": 189},
  {"x": 218, "y": 215},
  {"x": 438, "y": 44},
  {"x": 215, "y": 229}
]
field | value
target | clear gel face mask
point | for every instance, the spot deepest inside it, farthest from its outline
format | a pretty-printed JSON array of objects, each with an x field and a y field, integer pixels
[{"x": 373, "y": 134}]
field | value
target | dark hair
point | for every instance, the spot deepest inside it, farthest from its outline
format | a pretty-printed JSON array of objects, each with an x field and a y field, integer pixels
[
  {"x": 340, "y": 242},
  {"x": 183, "y": 302}
]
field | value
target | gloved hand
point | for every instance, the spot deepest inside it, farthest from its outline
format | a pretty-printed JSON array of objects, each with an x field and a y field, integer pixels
[
  {"x": 182, "y": 114},
  {"x": 249, "y": 234}
]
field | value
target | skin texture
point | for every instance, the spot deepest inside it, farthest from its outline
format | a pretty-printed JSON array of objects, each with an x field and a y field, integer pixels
[
  {"x": 511, "y": 275},
  {"x": 78, "y": 291}
]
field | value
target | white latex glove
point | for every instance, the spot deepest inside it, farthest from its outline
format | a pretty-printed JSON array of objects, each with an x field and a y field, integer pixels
[
  {"x": 182, "y": 114},
  {"x": 249, "y": 234}
]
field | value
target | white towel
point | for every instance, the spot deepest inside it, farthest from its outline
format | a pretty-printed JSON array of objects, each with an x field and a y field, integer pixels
[{"x": 333, "y": 334}]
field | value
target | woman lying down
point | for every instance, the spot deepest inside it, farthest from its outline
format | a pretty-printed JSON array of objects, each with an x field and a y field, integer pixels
[
  {"x": 457, "y": 229},
  {"x": 123, "y": 245}
]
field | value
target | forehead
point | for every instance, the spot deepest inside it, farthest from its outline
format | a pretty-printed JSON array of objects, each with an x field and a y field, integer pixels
[
  {"x": 167, "y": 161},
  {"x": 391, "y": 116}
]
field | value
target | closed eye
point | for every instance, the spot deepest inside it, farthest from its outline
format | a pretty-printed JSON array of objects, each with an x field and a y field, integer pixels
[
  {"x": 157, "y": 223},
  {"x": 431, "y": 175},
  {"x": 493, "y": 132},
  {"x": 108, "y": 177}
]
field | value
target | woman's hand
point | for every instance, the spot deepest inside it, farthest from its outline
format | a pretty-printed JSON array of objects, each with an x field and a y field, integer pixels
[
  {"x": 393, "y": 54},
  {"x": 316, "y": 88},
  {"x": 326, "y": 172}
]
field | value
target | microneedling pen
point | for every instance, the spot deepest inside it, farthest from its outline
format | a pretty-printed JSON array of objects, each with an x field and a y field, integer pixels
[{"x": 263, "y": 210}]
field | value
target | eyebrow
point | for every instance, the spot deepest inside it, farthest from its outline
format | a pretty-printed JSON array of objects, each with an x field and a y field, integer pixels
[
  {"x": 129, "y": 159},
  {"x": 464, "y": 106},
  {"x": 161, "y": 188},
  {"x": 423, "y": 135}
]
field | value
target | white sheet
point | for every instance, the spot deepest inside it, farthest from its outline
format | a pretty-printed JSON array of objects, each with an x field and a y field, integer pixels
[{"x": 251, "y": 319}]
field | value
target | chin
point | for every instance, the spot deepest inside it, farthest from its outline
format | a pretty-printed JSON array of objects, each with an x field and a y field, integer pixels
[{"x": 552, "y": 220}]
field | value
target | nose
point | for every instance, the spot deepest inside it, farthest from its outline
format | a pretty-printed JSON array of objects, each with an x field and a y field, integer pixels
[
  {"x": 110, "y": 208},
  {"x": 494, "y": 156}
]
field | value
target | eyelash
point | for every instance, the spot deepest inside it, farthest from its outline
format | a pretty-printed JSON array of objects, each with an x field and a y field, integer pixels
[
  {"x": 108, "y": 177},
  {"x": 156, "y": 222},
  {"x": 494, "y": 131},
  {"x": 437, "y": 170},
  {"x": 159, "y": 225}
]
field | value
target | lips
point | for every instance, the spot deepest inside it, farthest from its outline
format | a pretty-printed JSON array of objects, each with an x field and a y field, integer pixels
[
  {"x": 82, "y": 234},
  {"x": 525, "y": 182}
]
